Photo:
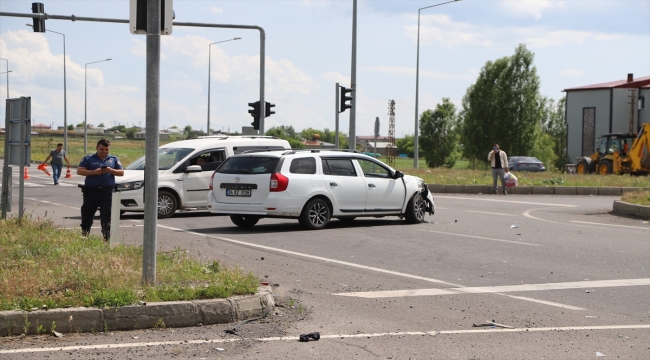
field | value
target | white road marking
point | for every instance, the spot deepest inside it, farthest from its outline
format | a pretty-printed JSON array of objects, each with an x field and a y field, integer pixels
[
  {"x": 53, "y": 203},
  {"x": 500, "y": 289},
  {"x": 491, "y": 213},
  {"x": 323, "y": 336},
  {"x": 625, "y": 226},
  {"x": 551, "y": 303},
  {"x": 528, "y": 215},
  {"x": 482, "y": 238},
  {"x": 506, "y": 201}
]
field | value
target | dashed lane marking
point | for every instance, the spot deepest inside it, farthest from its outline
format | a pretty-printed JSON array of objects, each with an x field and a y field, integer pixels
[
  {"x": 494, "y": 332},
  {"x": 499, "y": 289},
  {"x": 481, "y": 237}
]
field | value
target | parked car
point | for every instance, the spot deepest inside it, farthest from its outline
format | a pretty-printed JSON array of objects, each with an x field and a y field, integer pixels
[
  {"x": 314, "y": 186},
  {"x": 525, "y": 163},
  {"x": 184, "y": 170}
]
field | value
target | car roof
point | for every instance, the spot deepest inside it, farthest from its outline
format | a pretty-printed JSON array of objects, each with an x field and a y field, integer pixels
[
  {"x": 209, "y": 140},
  {"x": 342, "y": 153}
]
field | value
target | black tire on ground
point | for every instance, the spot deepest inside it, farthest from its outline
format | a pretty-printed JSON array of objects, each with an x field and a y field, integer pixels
[
  {"x": 415, "y": 210},
  {"x": 605, "y": 167},
  {"x": 167, "y": 204},
  {"x": 584, "y": 167},
  {"x": 244, "y": 221},
  {"x": 315, "y": 215}
]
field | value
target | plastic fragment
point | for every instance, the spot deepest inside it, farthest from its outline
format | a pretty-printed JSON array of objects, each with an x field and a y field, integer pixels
[
  {"x": 514, "y": 226},
  {"x": 600, "y": 354}
]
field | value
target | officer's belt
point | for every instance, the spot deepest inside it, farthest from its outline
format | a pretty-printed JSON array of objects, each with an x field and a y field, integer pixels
[{"x": 95, "y": 189}]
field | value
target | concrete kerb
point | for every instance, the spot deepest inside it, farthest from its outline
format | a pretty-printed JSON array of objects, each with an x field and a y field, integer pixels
[
  {"x": 627, "y": 209},
  {"x": 151, "y": 315}
]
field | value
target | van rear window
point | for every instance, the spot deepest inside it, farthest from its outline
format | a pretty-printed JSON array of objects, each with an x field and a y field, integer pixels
[{"x": 249, "y": 165}]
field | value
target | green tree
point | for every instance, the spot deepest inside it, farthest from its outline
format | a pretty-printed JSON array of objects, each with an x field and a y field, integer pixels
[
  {"x": 100, "y": 125},
  {"x": 70, "y": 127},
  {"x": 503, "y": 106},
  {"x": 287, "y": 133},
  {"x": 556, "y": 127},
  {"x": 130, "y": 132},
  {"x": 405, "y": 145},
  {"x": 439, "y": 135},
  {"x": 120, "y": 128}
]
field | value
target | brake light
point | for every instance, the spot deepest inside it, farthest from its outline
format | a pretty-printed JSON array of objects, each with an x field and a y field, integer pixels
[
  {"x": 278, "y": 182},
  {"x": 211, "y": 180}
]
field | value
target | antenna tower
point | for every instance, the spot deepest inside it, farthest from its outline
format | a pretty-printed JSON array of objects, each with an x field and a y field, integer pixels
[{"x": 391, "y": 150}]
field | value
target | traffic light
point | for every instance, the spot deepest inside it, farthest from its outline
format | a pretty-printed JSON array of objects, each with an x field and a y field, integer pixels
[
  {"x": 343, "y": 104},
  {"x": 255, "y": 113},
  {"x": 267, "y": 110},
  {"x": 39, "y": 24},
  {"x": 138, "y": 16}
]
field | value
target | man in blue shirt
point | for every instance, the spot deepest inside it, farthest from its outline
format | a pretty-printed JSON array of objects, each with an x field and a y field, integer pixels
[{"x": 100, "y": 170}]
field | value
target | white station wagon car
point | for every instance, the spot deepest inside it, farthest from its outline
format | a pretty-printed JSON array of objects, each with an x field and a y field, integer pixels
[
  {"x": 184, "y": 170},
  {"x": 314, "y": 186}
]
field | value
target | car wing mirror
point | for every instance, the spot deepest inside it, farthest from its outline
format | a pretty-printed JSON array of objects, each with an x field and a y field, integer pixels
[
  {"x": 398, "y": 174},
  {"x": 193, "y": 168}
]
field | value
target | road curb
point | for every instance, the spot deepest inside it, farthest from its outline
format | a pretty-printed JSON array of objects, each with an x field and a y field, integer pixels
[
  {"x": 151, "y": 315},
  {"x": 534, "y": 190},
  {"x": 627, "y": 209}
]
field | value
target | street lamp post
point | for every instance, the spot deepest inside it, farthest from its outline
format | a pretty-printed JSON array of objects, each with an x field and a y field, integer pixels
[
  {"x": 7, "y": 72},
  {"x": 86, "y": 103},
  {"x": 65, "y": 100},
  {"x": 209, "y": 64},
  {"x": 417, "y": 80}
]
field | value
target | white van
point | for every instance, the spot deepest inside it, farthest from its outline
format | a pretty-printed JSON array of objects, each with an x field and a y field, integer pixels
[{"x": 184, "y": 171}]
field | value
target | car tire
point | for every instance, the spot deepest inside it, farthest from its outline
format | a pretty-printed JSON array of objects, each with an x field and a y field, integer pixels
[
  {"x": 415, "y": 210},
  {"x": 167, "y": 204},
  {"x": 244, "y": 221},
  {"x": 605, "y": 167},
  {"x": 315, "y": 215}
]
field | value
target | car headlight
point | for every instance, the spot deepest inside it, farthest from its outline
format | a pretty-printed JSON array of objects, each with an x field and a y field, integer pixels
[{"x": 134, "y": 185}]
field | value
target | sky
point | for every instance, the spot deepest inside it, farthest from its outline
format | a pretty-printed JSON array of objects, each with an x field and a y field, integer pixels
[{"x": 308, "y": 50}]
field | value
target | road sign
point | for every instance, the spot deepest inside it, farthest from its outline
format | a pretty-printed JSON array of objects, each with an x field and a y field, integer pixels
[
  {"x": 377, "y": 127},
  {"x": 14, "y": 134}
]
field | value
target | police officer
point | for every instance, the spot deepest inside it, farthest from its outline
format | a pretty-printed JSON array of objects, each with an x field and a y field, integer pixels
[{"x": 100, "y": 170}]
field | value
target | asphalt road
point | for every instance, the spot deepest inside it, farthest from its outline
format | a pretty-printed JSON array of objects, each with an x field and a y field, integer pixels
[{"x": 569, "y": 279}]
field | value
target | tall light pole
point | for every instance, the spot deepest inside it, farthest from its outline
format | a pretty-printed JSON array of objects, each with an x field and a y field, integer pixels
[
  {"x": 7, "y": 72},
  {"x": 209, "y": 63},
  {"x": 86, "y": 103},
  {"x": 65, "y": 100},
  {"x": 417, "y": 81}
]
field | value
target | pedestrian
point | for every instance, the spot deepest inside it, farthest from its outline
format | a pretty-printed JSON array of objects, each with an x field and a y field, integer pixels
[
  {"x": 499, "y": 161},
  {"x": 100, "y": 170},
  {"x": 57, "y": 155}
]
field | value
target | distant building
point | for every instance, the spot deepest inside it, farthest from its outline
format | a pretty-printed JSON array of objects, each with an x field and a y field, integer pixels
[
  {"x": 142, "y": 134},
  {"x": 37, "y": 127},
  {"x": 594, "y": 110}
]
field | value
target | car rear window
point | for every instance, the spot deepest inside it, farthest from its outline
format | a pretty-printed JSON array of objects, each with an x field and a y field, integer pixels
[
  {"x": 303, "y": 166},
  {"x": 248, "y": 165}
]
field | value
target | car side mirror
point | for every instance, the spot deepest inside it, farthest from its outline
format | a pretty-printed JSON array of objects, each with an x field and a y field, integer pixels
[
  {"x": 193, "y": 169},
  {"x": 398, "y": 174}
]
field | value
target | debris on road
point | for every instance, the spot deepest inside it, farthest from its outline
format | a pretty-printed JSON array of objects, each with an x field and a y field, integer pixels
[
  {"x": 313, "y": 335},
  {"x": 599, "y": 354},
  {"x": 57, "y": 334},
  {"x": 514, "y": 226},
  {"x": 492, "y": 324},
  {"x": 591, "y": 317},
  {"x": 233, "y": 331}
]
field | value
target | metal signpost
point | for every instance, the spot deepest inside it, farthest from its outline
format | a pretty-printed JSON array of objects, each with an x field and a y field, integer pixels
[{"x": 18, "y": 131}]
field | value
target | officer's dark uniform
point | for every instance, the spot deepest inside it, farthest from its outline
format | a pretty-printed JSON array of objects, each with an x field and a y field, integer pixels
[{"x": 98, "y": 193}]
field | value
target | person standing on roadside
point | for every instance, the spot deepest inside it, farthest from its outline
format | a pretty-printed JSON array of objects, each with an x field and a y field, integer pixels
[
  {"x": 499, "y": 161},
  {"x": 57, "y": 156},
  {"x": 100, "y": 170}
]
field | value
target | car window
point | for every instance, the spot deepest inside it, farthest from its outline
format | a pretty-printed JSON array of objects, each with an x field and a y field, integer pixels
[
  {"x": 167, "y": 157},
  {"x": 208, "y": 160},
  {"x": 338, "y": 167},
  {"x": 248, "y": 165},
  {"x": 372, "y": 169},
  {"x": 303, "y": 166}
]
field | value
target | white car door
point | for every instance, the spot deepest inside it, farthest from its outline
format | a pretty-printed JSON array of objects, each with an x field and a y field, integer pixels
[
  {"x": 347, "y": 188},
  {"x": 383, "y": 194},
  {"x": 197, "y": 184}
]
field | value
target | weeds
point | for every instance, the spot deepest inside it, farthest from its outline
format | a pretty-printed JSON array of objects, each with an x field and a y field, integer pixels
[
  {"x": 160, "y": 324},
  {"x": 43, "y": 265},
  {"x": 637, "y": 197}
]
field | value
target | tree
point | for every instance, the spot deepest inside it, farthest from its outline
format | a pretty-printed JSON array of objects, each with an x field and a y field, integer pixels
[
  {"x": 130, "y": 132},
  {"x": 503, "y": 106},
  {"x": 100, "y": 125},
  {"x": 405, "y": 145},
  {"x": 439, "y": 135},
  {"x": 556, "y": 127},
  {"x": 70, "y": 127},
  {"x": 287, "y": 133},
  {"x": 120, "y": 128}
]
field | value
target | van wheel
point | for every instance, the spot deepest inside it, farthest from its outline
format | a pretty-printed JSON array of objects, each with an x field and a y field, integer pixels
[
  {"x": 167, "y": 204},
  {"x": 244, "y": 221},
  {"x": 415, "y": 210},
  {"x": 315, "y": 215}
]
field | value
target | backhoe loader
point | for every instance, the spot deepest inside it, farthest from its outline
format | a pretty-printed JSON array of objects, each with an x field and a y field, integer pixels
[{"x": 619, "y": 154}]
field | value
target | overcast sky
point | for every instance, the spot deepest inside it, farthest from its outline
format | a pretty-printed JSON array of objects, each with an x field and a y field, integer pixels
[{"x": 308, "y": 50}]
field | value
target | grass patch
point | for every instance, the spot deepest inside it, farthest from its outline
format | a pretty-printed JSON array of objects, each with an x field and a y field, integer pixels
[
  {"x": 43, "y": 265},
  {"x": 637, "y": 197}
]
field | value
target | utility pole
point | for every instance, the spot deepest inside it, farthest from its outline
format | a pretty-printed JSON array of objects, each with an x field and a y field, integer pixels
[
  {"x": 392, "y": 149},
  {"x": 353, "y": 85}
]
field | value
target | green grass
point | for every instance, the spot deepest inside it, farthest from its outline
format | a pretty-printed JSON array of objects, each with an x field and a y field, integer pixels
[
  {"x": 637, "y": 197},
  {"x": 44, "y": 265}
]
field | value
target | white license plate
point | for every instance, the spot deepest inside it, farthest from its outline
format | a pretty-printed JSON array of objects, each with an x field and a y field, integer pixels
[{"x": 238, "y": 192}]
